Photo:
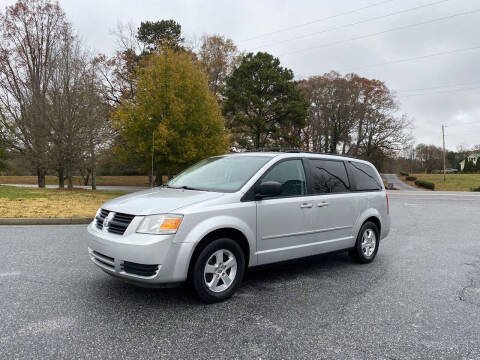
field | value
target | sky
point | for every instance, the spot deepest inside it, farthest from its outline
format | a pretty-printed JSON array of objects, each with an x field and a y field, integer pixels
[{"x": 427, "y": 51}]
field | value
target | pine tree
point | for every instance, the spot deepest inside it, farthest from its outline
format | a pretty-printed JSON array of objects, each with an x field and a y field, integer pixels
[
  {"x": 477, "y": 166},
  {"x": 263, "y": 106},
  {"x": 468, "y": 167}
]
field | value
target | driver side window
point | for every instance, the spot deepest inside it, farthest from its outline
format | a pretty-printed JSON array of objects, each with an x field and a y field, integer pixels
[{"x": 291, "y": 175}]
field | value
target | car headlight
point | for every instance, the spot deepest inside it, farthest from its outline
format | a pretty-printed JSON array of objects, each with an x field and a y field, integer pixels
[{"x": 160, "y": 224}]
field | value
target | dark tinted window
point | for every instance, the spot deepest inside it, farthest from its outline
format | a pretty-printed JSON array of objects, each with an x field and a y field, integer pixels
[
  {"x": 329, "y": 176},
  {"x": 365, "y": 176},
  {"x": 291, "y": 175}
]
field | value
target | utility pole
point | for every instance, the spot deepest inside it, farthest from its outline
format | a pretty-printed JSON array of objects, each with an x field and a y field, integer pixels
[
  {"x": 444, "y": 155},
  {"x": 153, "y": 152}
]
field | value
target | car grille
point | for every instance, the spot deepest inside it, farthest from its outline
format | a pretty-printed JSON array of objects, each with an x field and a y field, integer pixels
[
  {"x": 104, "y": 260},
  {"x": 131, "y": 268},
  {"x": 139, "y": 269},
  {"x": 117, "y": 225}
]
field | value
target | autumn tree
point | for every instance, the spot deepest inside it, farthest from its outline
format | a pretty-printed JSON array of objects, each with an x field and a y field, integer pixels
[
  {"x": 173, "y": 104},
  {"x": 352, "y": 115},
  {"x": 30, "y": 31},
  {"x": 134, "y": 43},
  {"x": 220, "y": 57},
  {"x": 263, "y": 107}
]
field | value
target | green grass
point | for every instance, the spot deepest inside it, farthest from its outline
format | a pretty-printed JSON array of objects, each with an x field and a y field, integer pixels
[
  {"x": 18, "y": 202},
  {"x": 454, "y": 182},
  {"x": 77, "y": 180}
]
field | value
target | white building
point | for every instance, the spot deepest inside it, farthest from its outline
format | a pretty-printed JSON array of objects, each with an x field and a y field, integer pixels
[{"x": 472, "y": 158}]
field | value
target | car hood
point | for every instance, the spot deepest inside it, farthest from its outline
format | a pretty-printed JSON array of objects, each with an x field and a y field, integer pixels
[{"x": 158, "y": 201}]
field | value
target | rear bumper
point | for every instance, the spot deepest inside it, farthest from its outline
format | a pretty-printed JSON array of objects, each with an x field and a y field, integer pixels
[
  {"x": 385, "y": 227},
  {"x": 115, "y": 253}
]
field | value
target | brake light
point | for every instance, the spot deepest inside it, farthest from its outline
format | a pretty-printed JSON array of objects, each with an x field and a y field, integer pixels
[{"x": 388, "y": 205}]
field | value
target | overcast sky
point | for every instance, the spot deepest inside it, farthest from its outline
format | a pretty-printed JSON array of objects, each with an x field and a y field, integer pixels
[{"x": 313, "y": 37}]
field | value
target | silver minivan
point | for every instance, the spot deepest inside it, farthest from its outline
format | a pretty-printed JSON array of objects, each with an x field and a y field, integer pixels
[{"x": 232, "y": 212}]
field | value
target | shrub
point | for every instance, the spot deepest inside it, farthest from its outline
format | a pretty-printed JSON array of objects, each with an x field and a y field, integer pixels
[
  {"x": 425, "y": 184},
  {"x": 411, "y": 178},
  {"x": 404, "y": 173}
]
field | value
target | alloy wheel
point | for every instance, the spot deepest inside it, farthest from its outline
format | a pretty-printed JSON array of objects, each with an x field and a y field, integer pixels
[{"x": 220, "y": 270}]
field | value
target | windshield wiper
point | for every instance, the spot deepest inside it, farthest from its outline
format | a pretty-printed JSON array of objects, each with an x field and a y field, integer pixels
[{"x": 185, "y": 187}]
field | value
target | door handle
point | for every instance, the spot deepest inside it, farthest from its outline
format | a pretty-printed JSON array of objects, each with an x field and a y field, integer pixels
[
  {"x": 322, "y": 204},
  {"x": 306, "y": 206}
]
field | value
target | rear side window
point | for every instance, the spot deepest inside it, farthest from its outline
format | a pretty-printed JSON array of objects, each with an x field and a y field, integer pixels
[
  {"x": 291, "y": 175},
  {"x": 328, "y": 177},
  {"x": 366, "y": 178}
]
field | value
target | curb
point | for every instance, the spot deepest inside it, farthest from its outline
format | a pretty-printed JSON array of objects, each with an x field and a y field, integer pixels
[{"x": 45, "y": 221}]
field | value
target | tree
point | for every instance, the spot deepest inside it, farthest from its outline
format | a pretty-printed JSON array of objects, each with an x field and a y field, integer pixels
[
  {"x": 352, "y": 115},
  {"x": 78, "y": 115},
  {"x": 3, "y": 153},
  {"x": 430, "y": 157},
  {"x": 477, "y": 166},
  {"x": 173, "y": 104},
  {"x": 220, "y": 57},
  {"x": 262, "y": 105},
  {"x": 30, "y": 31},
  {"x": 158, "y": 34}
]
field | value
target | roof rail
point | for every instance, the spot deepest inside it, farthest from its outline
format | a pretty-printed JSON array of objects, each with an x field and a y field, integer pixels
[
  {"x": 276, "y": 149},
  {"x": 297, "y": 150}
]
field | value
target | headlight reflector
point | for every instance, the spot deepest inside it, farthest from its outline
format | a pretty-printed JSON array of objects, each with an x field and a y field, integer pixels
[{"x": 160, "y": 224}]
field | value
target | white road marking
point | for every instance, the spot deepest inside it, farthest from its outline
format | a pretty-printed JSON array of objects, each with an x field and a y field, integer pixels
[
  {"x": 46, "y": 326},
  {"x": 14, "y": 273}
]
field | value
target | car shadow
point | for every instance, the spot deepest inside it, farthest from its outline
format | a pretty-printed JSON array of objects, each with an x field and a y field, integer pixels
[{"x": 261, "y": 277}]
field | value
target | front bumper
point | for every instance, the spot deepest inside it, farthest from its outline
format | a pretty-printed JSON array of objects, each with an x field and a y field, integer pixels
[{"x": 112, "y": 252}]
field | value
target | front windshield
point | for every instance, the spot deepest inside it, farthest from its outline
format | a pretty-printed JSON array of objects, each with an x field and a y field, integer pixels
[{"x": 220, "y": 173}]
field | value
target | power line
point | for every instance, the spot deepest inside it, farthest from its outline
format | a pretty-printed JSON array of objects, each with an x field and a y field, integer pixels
[
  {"x": 383, "y": 32},
  {"x": 350, "y": 24},
  {"x": 442, "y": 53},
  {"x": 315, "y": 21},
  {"x": 440, "y": 87},
  {"x": 439, "y": 92}
]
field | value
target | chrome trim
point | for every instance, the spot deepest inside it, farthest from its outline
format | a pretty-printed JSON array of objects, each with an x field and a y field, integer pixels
[{"x": 306, "y": 232}]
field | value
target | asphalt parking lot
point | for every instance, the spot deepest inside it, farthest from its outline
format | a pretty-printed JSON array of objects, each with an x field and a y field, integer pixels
[{"x": 419, "y": 299}]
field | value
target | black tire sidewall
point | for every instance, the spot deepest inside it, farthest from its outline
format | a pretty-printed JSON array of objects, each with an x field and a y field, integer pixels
[
  {"x": 198, "y": 268},
  {"x": 358, "y": 245}
]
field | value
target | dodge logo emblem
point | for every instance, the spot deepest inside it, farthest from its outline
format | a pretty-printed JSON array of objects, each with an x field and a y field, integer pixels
[{"x": 108, "y": 219}]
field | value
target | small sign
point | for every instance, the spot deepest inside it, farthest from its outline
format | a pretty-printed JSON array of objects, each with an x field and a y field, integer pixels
[{"x": 391, "y": 185}]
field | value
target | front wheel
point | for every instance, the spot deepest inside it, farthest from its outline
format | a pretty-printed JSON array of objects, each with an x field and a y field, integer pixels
[
  {"x": 366, "y": 246},
  {"x": 218, "y": 270}
]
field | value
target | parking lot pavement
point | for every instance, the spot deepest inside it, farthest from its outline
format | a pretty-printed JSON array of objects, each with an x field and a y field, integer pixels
[
  {"x": 419, "y": 299},
  {"x": 399, "y": 184}
]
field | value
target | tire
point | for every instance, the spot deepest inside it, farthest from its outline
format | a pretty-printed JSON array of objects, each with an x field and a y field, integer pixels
[
  {"x": 367, "y": 236},
  {"x": 218, "y": 270}
]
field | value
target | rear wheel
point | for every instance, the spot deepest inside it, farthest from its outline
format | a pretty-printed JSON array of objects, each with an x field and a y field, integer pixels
[
  {"x": 218, "y": 270},
  {"x": 366, "y": 246}
]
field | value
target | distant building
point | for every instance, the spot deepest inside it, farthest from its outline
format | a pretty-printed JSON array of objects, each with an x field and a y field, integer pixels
[{"x": 472, "y": 158}]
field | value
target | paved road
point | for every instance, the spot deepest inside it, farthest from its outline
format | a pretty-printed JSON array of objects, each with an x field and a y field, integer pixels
[
  {"x": 398, "y": 184},
  {"x": 419, "y": 299},
  {"x": 101, "y": 187}
]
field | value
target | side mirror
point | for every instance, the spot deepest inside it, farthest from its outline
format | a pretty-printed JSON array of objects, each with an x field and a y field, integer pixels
[{"x": 268, "y": 189}]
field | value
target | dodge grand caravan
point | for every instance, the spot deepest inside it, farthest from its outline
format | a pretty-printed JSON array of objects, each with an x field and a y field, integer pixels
[{"x": 228, "y": 213}]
